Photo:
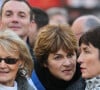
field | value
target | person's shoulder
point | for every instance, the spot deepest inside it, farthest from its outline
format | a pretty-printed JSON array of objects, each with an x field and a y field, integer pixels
[
  {"x": 31, "y": 83},
  {"x": 77, "y": 85},
  {"x": 36, "y": 81},
  {"x": 25, "y": 83}
]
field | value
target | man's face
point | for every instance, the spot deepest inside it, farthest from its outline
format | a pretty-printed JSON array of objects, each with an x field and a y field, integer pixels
[
  {"x": 16, "y": 16},
  {"x": 58, "y": 19}
]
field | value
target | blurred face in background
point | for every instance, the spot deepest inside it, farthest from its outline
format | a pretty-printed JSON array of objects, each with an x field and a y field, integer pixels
[
  {"x": 58, "y": 19},
  {"x": 62, "y": 64}
]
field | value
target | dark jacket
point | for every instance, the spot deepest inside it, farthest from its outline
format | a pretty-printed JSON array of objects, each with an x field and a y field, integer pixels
[
  {"x": 30, "y": 48},
  {"x": 23, "y": 84},
  {"x": 49, "y": 82},
  {"x": 77, "y": 85}
]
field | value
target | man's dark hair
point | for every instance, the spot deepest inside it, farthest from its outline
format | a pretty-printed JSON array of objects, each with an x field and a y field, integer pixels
[
  {"x": 25, "y": 1},
  {"x": 41, "y": 18}
]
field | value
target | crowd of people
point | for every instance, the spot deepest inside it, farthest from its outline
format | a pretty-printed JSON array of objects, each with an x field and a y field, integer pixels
[{"x": 39, "y": 50}]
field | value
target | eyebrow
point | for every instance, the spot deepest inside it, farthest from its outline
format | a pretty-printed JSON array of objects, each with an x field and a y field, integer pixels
[
  {"x": 8, "y": 11},
  {"x": 12, "y": 11},
  {"x": 85, "y": 48},
  {"x": 58, "y": 54},
  {"x": 21, "y": 12}
]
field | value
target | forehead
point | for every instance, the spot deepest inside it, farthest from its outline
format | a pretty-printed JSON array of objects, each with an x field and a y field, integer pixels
[
  {"x": 16, "y": 6},
  {"x": 85, "y": 46}
]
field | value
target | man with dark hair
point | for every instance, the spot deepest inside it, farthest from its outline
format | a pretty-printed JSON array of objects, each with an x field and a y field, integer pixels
[{"x": 40, "y": 19}]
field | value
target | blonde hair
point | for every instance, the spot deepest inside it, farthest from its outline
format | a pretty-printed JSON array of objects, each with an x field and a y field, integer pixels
[{"x": 10, "y": 41}]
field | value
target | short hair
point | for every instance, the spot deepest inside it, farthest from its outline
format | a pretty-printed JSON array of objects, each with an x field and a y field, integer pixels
[
  {"x": 51, "y": 38},
  {"x": 91, "y": 22},
  {"x": 41, "y": 18},
  {"x": 25, "y": 1},
  {"x": 91, "y": 37},
  {"x": 10, "y": 41}
]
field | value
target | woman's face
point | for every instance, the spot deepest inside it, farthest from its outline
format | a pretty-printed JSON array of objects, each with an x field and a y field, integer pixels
[
  {"x": 7, "y": 70},
  {"x": 62, "y": 64},
  {"x": 89, "y": 61}
]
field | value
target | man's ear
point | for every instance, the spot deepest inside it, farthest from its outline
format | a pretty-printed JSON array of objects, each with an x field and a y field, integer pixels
[{"x": 32, "y": 24}]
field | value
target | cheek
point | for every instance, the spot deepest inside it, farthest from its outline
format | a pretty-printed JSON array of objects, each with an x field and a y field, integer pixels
[
  {"x": 26, "y": 22},
  {"x": 74, "y": 61},
  {"x": 91, "y": 67},
  {"x": 74, "y": 66},
  {"x": 53, "y": 65},
  {"x": 54, "y": 68},
  {"x": 5, "y": 20},
  {"x": 14, "y": 68}
]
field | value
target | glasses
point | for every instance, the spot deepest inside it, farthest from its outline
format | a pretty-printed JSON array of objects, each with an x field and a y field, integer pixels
[{"x": 9, "y": 60}]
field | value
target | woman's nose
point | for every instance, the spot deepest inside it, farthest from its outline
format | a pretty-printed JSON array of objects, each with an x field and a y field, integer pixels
[
  {"x": 66, "y": 62},
  {"x": 2, "y": 64},
  {"x": 79, "y": 60}
]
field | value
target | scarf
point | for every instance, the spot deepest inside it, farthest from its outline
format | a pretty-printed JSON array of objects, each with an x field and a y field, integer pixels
[{"x": 93, "y": 84}]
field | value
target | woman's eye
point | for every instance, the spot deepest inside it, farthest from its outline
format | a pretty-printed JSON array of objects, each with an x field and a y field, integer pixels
[
  {"x": 70, "y": 55},
  {"x": 57, "y": 57},
  {"x": 8, "y": 14},
  {"x": 86, "y": 51}
]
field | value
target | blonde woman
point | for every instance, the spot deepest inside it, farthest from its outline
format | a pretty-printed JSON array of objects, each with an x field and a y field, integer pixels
[{"x": 15, "y": 62}]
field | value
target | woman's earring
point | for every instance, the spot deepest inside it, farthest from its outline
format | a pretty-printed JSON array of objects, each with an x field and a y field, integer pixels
[
  {"x": 22, "y": 70},
  {"x": 20, "y": 65}
]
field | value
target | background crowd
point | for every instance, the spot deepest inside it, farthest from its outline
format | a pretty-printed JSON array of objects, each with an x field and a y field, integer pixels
[{"x": 49, "y": 45}]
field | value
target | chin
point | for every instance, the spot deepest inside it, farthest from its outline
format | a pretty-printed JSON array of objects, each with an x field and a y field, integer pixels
[
  {"x": 67, "y": 78},
  {"x": 85, "y": 76}
]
